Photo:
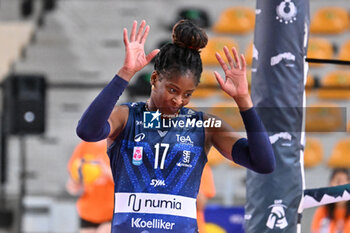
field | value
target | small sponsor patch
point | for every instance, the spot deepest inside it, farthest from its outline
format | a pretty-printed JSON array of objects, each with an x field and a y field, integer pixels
[
  {"x": 139, "y": 137},
  {"x": 137, "y": 155}
]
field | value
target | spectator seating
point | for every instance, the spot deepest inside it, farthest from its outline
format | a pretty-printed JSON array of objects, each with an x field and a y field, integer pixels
[
  {"x": 344, "y": 52},
  {"x": 310, "y": 83},
  {"x": 249, "y": 54},
  {"x": 340, "y": 154},
  {"x": 216, "y": 44},
  {"x": 324, "y": 117},
  {"x": 313, "y": 153},
  {"x": 208, "y": 85},
  {"x": 243, "y": 18},
  {"x": 320, "y": 48},
  {"x": 330, "y": 20},
  {"x": 335, "y": 85}
]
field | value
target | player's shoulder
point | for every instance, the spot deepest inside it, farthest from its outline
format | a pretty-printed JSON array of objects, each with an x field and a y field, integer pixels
[
  {"x": 134, "y": 106},
  {"x": 190, "y": 112}
]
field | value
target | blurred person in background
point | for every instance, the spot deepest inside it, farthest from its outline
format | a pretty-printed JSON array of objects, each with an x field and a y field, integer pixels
[
  {"x": 91, "y": 179},
  {"x": 206, "y": 192},
  {"x": 334, "y": 217}
]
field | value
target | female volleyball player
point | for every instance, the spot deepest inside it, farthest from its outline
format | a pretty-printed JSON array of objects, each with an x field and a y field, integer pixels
[{"x": 158, "y": 149}]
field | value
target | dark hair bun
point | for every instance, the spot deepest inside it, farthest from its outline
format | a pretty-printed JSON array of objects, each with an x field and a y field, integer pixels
[{"x": 188, "y": 35}]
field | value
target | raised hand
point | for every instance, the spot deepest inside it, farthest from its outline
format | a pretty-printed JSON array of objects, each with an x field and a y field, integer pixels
[
  {"x": 235, "y": 84},
  {"x": 135, "y": 57}
]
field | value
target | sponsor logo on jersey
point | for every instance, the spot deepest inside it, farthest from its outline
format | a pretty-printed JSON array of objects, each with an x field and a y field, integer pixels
[
  {"x": 137, "y": 155},
  {"x": 186, "y": 155},
  {"x": 184, "y": 139},
  {"x": 186, "y": 159},
  {"x": 155, "y": 203},
  {"x": 183, "y": 165},
  {"x": 191, "y": 112},
  {"x": 137, "y": 203},
  {"x": 139, "y": 137},
  {"x": 286, "y": 12},
  {"x": 277, "y": 217},
  {"x": 278, "y": 58},
  {"x": 152, "y": 224},
  {"x": 156, "y": 182}
]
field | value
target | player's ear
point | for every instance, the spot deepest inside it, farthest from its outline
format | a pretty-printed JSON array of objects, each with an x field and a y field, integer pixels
[{"x": 154, "y": 78}]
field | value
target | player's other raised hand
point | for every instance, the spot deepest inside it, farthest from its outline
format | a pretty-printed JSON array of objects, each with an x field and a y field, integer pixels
[{"x": 135, "y": 56}]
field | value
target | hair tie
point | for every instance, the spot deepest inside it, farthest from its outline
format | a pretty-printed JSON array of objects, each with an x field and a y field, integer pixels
[{"x": 193, "y": 48}]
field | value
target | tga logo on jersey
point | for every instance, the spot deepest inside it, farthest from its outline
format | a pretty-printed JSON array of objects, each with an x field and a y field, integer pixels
[
  {"x": 286, "y": 12},
  {"x": 184, "y": 139},
  {"x": 277, "y": 217},
  {"x": 137, "y": 155},
  {"x": 151, "y": 120}
]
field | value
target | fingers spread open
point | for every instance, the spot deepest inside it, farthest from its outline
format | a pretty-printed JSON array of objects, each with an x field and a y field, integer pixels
[
  {"x": 229, "y": 58},
  {"x": 219, "y": 79},
  {"x": 144, "y": 36},
  {"x": 125, "y": 37},
  {"x": 133, "y": 31},
  {"x": 235, "y": 55},
  {"x": 140, "y": 31},
  {"x": 221, "y": 61},
  {"x": 244, "y": 64}
]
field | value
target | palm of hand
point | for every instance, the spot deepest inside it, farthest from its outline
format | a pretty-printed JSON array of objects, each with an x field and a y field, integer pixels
[
  {"x": 235, "y": 84},
  {"x": 135, "y": 57}
]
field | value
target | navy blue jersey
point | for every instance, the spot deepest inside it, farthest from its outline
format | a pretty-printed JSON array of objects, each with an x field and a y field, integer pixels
[{"x": 157, "y": 172}]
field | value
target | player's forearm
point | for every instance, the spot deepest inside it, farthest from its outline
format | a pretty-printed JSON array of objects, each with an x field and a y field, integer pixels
[
  {"x": 93, "y": 125},
  {"x": 256, "y": 152}
]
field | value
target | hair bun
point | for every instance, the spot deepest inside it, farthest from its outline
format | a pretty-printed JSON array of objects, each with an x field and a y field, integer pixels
[{"x": 188, "y": 35}]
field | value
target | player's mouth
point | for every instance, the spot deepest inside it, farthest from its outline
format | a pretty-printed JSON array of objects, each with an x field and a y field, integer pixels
[{"x": 174, "y": 109}]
